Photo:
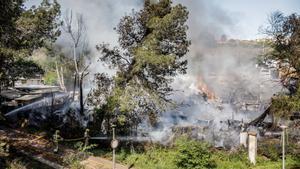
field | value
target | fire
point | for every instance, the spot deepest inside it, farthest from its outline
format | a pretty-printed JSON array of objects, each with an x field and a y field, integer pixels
[{"x": 202, "y": 86}]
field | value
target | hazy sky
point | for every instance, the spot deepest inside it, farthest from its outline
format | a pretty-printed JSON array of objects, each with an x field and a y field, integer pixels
[
  {"x": 246, "y": 15},
  {"x": 251, "y": 14}
]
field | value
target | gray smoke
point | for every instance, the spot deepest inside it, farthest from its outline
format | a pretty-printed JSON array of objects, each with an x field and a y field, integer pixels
[
  {"x": 100, "y": 18},
  {"x": 228, "y": 68},
  {"x": 229, "y": 71}
]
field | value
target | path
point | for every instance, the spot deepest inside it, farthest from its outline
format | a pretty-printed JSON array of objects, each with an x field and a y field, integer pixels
[
  {"x": 38, "y": 147},
  {"x": 100, "y": 163}
]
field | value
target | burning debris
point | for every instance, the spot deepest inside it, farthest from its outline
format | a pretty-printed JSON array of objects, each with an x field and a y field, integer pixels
[
  {"x": 207, "y": 93},
  {"x": 224, "y": 101}
]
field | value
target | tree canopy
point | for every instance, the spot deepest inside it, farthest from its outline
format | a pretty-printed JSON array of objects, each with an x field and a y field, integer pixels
[
  {"x": 23, "y": 30},
  {"x": 284, "y": 32},
  {"x": 152, "y": 46}
]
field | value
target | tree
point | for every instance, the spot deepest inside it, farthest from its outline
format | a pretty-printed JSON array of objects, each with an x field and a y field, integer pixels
[
  {"x": 22, "y": 31},
  {"x": 77, "y": 33},
  {"x": 284, "y": 32},
  {"x": 152, "y": 45},
  {"x": 58, "y": 66}
]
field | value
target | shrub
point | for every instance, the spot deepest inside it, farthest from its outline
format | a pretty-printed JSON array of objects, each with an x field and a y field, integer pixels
[
  {"x": 16, "y": 164},
  {"x": 193, "y": 154},
  {"x": 236, "y": 159},
  {"x": 271, "y": 151},
  {"x": 73, "y": 159},
  {"x": 50, "y": 78}
]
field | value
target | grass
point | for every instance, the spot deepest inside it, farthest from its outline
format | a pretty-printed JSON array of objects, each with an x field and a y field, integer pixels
[{"x": 158, "y": 157}]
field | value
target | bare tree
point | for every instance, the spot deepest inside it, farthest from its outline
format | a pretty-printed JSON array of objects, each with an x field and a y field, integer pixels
[
  {"x": 60, "y": 76},
  {"x": 76, "y": 30}
]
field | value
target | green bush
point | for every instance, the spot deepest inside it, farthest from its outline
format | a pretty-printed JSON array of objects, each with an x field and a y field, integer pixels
[
  {"x": 271, "y": 151},
  {"x": 193, "y": 154},
  {"x": 237, "y": 159},
  {"x": 124, "y": 153},
  {"x": 50, "y": 78}
]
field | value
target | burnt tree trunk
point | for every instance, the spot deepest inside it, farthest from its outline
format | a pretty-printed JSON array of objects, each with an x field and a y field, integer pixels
[
  {"x": 81, "y": 95},
  {"x": 74, "y": 87}
]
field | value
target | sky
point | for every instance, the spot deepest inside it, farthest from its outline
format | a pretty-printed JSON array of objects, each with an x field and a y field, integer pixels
[
  {"x": 246, "y": 15},
  {"x": 251, "y": 14}
]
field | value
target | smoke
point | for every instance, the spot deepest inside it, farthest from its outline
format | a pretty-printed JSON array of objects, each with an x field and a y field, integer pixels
[
  {"x": 100, "y": 18},
  {"x": 227, "y": 67},
  {"x": 222, "y": 70}
]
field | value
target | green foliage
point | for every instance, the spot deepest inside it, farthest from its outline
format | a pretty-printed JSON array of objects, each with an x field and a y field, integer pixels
[
  {"x": 284, "y": 105},
  {"x": 53, "y": 59},
  {"x": 84, "y": 149},
  {"x": 23, "y": 31},
  {"x": 271, "y": 151},
  {"x": 294, "y": 151},
  {"x": 156, "y": 157},
  {"x": 231, "y": 160},
  {"x": 39, "y": 24},
  {"x": 25, "y": 68},
  {"x": 284, "y": 32},
  {"x": 193, "y": 154},
  {"x": 124, "y": 153},
  {"x": 73, "y": 159},
  {"x": 50, "y": 78},
  {"x": 152, "y": 46},
  {"x": 161, "y": 157}
]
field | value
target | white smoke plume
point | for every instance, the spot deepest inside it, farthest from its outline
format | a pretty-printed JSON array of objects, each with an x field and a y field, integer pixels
[
  {"x": 241, "y": 89},
  {"x": 229, "y": 71}
]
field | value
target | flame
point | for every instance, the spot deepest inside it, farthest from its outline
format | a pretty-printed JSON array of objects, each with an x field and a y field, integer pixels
[{"x": 202, "y": 86}]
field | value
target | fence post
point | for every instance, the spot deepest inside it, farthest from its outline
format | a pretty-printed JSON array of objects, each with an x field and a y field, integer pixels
[
  {"x": 252, "y": 146},
  {"x": 56, "y": 139},
  {"x": 86, "y": 137},
  {"x": 243, "y": 139},
  {"x": 114, "y": 150},
  {"x": 283, "y": 145}
]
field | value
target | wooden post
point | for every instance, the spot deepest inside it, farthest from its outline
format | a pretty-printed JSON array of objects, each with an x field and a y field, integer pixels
[
  {"x": 243, "y": 139},
  {"x": 252, "y": 146},
  {"x": 114, "y": 149},
  {"x": 86, "y": 138},
  {"x": 283, "y": 145},
  {"x": 56, "y": 139}
]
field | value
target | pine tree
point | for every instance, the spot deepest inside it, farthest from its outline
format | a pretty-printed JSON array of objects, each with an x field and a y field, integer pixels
[{"x": 152, "y": 46}]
